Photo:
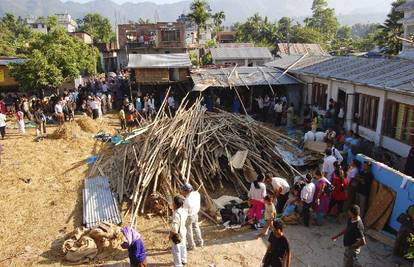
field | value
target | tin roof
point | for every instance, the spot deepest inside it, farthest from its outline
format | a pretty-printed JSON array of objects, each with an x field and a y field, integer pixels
[
  {"x": 241, "y": 76},
  {"x": 4, "y": 61},
  {"x": 222, "y": 53},
  {"x": 301, "y": 49},
  {"x": 179, "y": 60},
  {"x": 395, "y": 74}
]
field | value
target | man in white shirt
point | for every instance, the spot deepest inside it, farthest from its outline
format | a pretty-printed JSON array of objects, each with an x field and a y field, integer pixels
[
  {"x": 328, "y": 167},
  {"x": 309, "y": 137},
  {"x": 320, "y": 136},
  {"x": 2, "y": 125},
  {"x": 59, "y": 112},
  {"x": 192, "y": 205},
  {"x": 335, "y": 152},
  {"x": 280, "y": 188},
  {"x": 306, "y": 197},
  {"x": 178, "y": 232},
  {"x": 278, "y": 112}
]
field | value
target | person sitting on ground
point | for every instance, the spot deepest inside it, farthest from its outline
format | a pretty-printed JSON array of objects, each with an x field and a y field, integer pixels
[
  {"x": 135, "y": 246},
  {"x": 280, "y": 188},
  {"x": 256, "y": 195},
  {"x": 178, "y": 232},
  {"x": 192, "y": 205},
  {"x": 354, "y": 238},
  {"x": 306, "y": 196},
  {"x": 269, "y": 216},
  {"x": 278, "y": 252}
]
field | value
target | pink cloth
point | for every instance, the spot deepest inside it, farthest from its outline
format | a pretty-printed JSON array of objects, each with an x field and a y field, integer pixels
[
  {"x": 323, "y": 206},
  {"x": 256, "y": 211}
]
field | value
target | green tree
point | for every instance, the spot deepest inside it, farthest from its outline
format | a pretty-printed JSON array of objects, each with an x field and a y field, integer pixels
[
  {"x": 285, "y": 28},
  {"x": 258, "y": 30},
  {"x": 218, "y": 19},
  {"x": 98, "y": 27},
  {"x": 323, "y": 19},
  {"x": 15, "y": 36},
  {"x": 386, "y": 38},
  {"x": 308, "y": 35},
  {"x": 343, "y": 43},
  {"x": 54, "y": 58},
  {"x": 200, "y": 13}
]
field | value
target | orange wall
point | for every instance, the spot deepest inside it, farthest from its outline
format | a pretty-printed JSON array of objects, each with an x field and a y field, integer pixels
[{"x": 8, "y": 81}]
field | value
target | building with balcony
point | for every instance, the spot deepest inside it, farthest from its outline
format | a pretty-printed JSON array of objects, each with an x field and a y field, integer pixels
[
  {"x": 154, "y": 38},
  {"x": 408, "y": 24}
]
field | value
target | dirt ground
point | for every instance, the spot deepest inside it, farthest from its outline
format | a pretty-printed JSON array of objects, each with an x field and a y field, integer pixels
[{"x": 40, "y": 201}]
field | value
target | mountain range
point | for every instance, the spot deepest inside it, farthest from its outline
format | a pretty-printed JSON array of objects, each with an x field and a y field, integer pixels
[{"x": 236, "y": 10}]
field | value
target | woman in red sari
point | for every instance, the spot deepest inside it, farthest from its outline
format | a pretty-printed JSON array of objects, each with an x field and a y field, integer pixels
[{"x": 340, "y": 193}]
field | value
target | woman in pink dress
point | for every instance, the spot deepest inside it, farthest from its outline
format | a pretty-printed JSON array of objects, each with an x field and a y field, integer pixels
[{"x": 321, "y": 199}]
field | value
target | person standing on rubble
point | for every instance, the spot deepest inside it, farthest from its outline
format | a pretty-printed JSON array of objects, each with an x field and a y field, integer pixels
[
  {"x": 256, "y": 195},
  {"x": 354, "y": 238},
  {"x": 192, "y": 205},
  {"x": 178, "y": 232}
]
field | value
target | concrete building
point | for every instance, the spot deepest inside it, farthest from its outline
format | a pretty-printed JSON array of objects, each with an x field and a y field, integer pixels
[
  {"x": 37, "y": 24},
  {"x": 408, "y": 24},
  {"x": 241, "y": 56},
  {"x": 83, "y": 36},
  {"x": 8, "y": 83},
  {"x": 40, "y": 24},
  {"x": 226, "y": 37},
  {"x": 65, "y": 20},
  {"x": 377, "y": 94},
  {"x": 155, "y": 38}
]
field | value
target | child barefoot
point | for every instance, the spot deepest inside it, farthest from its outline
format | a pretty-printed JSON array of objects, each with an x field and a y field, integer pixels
[{"x": 270, "y": 215}]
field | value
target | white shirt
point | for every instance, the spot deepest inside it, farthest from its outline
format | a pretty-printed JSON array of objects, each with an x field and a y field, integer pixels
[
  {"x": 280, "y": 183},
  {"x": 309, "y": 137},
  {"x": 2, "y": 120},
  {"x": 328, "y": 166},
  {"x": 341, "y": 113},
  {"x": 178, "y": 223},
  {"x": 192, "y": 203},
  {"x": 58, "y": 108},
  {"x": 307, "y": 193},
  {"x": 337, "y": 155},
  {"x": 257, "y": 194},
  {"x": 171, "y": 102},
  {"x": 320, "y": 136},
  {"x": 94, "y": 104},
  {"x": 279, "y": 108},
  {"x": 352, "y": 173},
  {"x": 260, "y": 102}
]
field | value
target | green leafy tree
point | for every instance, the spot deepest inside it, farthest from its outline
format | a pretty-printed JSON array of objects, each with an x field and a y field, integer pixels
[
  {"x": 200, "y": 13},
  {"x": 54, "y": 58},
  {"x": 15, "y": 36},
  {"x": 285, "y": 28},
  {"x": 98, "y": 27},
  {"x": 218, "y": 19},
  {"x": 343, "y": 43},
  {"x": 305, "y": 34},
  {"x": 258, "y": 30},
  {"x": 387, "y": 37},
  {"x": 323, "y": 19}
]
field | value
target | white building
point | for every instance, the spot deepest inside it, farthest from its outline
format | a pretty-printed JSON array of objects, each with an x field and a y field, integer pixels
[
  {"x": 65, "y": 20},
  {"x": 37, "y": 24},
  {"x": 408, "y": 24},
  {"x": 377, "y": 94}
]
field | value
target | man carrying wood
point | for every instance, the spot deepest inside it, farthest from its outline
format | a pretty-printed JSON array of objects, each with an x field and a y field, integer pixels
[{"x": 192, "y": 205}]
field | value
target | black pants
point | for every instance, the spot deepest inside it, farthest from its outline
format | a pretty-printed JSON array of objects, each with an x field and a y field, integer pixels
[
  {"x": 3, "y": 131},
  {"x": 278, "y": 118},
  {"x": 95, "y": 113},
  {"x": 306, "y": 213},
  {"x": 281, "y": 202}
]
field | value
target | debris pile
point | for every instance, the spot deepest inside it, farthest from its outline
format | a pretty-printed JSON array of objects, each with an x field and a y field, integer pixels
[
  {"x": 89, "y": 125},
  {"x": 194, "y": 146},
  {"x": 68, "y": 131}
]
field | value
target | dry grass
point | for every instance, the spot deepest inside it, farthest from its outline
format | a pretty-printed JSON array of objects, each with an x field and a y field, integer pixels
[{"x": 40, "y": 193}]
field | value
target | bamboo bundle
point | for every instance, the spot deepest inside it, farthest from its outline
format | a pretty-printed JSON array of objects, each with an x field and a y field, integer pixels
[{"x": 194, "y": 146}]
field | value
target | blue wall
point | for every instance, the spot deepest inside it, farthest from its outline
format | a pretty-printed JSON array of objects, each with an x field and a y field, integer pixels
[{"x": 393, "y": 179}]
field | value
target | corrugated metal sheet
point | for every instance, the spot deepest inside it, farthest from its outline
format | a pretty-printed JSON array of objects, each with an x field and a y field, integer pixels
[
  {"x": 240, "y": 53},
  {"x": 394, "y": 74},
  {"x": 301, "y": 49},
  {"x": 99, "y": 203},
  {"x": 286, "y": 61},
  {"x": 178, "y": 60},
  {"x": 242, "y": 76},
  {"x": 7, "y": 61}
]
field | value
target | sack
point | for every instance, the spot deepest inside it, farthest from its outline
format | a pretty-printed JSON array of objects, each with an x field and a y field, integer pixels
[{"x": 228, "y": 215}]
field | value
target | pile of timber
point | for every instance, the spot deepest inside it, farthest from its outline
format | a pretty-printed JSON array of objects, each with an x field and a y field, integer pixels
[{"x": 194, "y": 146}]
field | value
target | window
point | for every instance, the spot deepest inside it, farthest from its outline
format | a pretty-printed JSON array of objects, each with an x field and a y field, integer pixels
[
  {"x": 366, "y": 110},
  {"x": 399, "y": 122},
  {"x": 170, "y": 36},
  {"x": 319, "y": 95}
]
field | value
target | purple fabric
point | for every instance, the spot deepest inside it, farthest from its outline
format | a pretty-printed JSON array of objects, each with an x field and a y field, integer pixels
[
  {"x": 323, "y": 206},
  {"x": 130, "y": 234}
]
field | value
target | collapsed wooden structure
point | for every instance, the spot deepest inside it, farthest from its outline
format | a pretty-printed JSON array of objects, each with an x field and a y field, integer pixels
[{"x": 193, "y": 146}]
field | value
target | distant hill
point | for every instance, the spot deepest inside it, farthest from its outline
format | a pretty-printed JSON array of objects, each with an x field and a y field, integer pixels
[{"x": 236, "y": 10}]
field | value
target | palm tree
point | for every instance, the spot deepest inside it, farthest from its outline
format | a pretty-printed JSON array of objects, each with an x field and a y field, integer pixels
[
  {"x": 200, "y": 13},
  {"x": 218, "y": 20}
]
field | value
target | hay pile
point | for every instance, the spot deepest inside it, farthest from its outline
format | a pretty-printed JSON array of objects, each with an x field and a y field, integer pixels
[
  {"x": 68, "y": 131},
  {"x": 89, "y": 125}
]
